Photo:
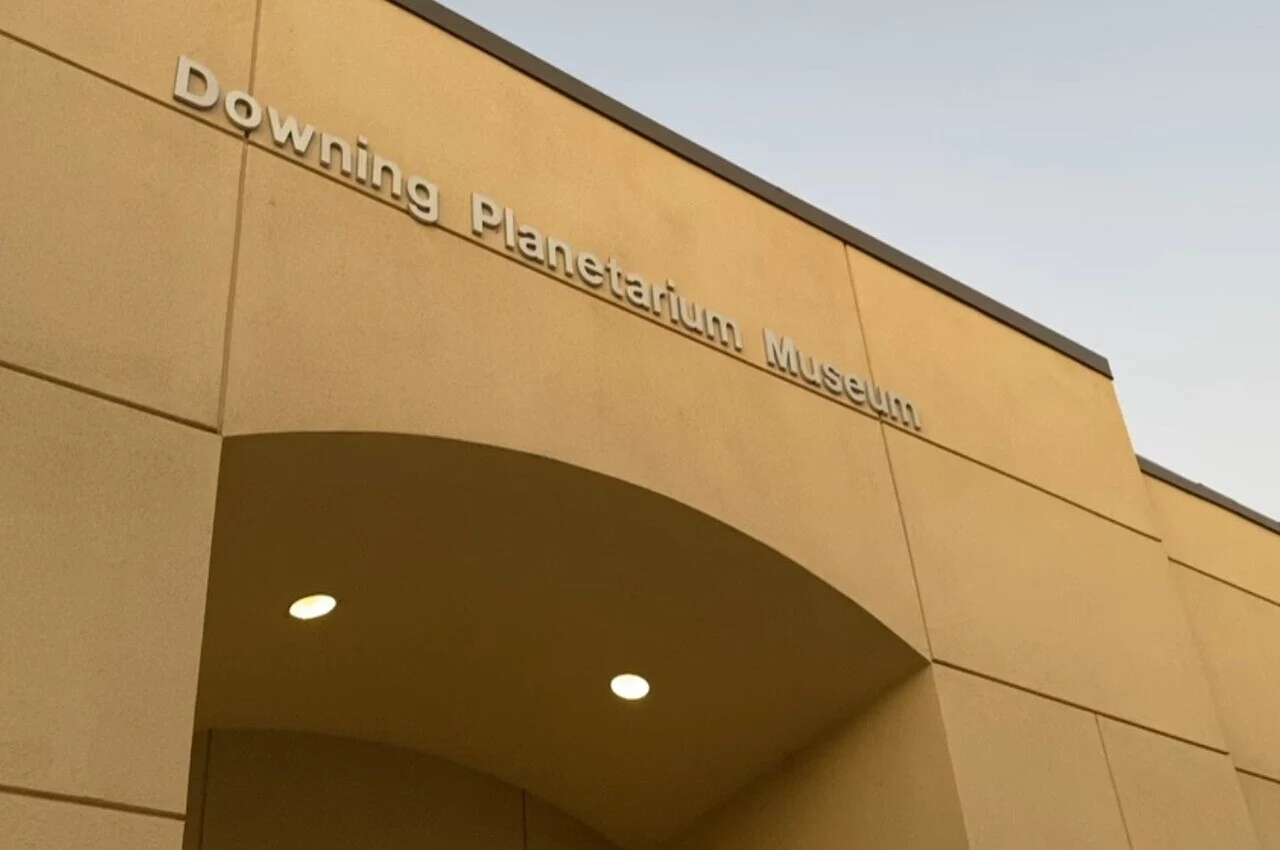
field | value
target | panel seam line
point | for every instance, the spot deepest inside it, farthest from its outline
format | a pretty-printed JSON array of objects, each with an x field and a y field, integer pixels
[
  {"x": 1080, "y": 706},
  {"x": 123, "y": 86},
  {"x": 884, "y": 444},
  {"x": 710, "y": 346},
  {"x": 91, "y": 802},
  {"x": 1221, "y": 580},
  {"x": 1111, "y": 775},
  {"x": 108, "y": 397},
  {"x": 229, "y": 320},
  {"x": 239, "y": 136},
  {"x": 1257, "y": 775}
]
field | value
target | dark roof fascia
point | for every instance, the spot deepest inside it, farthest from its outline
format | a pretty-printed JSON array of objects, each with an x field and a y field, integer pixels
[
  {"x": 530, "y": 65},
  {"x": 1200, "y": 491}
]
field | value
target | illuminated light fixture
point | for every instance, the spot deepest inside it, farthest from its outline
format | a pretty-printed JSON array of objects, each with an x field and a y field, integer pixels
[
  {"x": 311, "y": 607},
  {"x": 629, "y": 686}
]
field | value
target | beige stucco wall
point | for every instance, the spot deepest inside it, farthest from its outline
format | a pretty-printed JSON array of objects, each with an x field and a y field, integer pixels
[
  {"x": 1174, "y": 795},
  {"x": 35, "y": 824},
  {"x": 1010, "y": 577},
  {"x": 107, "y": 514},
  {"x": 1227, "y": 570},
  {"x": 421, "y": 332},
  {"x": 1216, "y": 542},
  {"x": 116, "y": 238},
  {"x": 1103, "y": 646},
  {"x": 1034, "y": 772},
  {"x": 882, "y": 780},
  {"x": 1004, "y": 401},
  {"x": 1263, "y": 799},
  {"x": 269, "y": 790}
]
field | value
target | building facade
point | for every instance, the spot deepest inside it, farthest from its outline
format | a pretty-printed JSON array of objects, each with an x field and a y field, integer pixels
[{"x": 352, "y": 297}]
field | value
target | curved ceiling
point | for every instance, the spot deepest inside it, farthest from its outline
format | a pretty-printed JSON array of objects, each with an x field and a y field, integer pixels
[{"x": 487, "y": 597}]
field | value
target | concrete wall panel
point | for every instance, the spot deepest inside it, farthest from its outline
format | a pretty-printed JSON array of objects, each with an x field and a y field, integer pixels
[
  {"x": 1002, "y": 398},
  {"x": 1031, "y": 772},
  {"x": 1263, "y": 799},
  {"x": 1031, "y": 590},
  {"x": 269, "y": 790},
  {"x": 1175, "y": 796},
  {"x": 1217, "y": 541},
  {"x": 137, "y": 43},
  {"x": 106, "y": 522},
  {"x": 27, "y": 823},
  {"x": 1239, "y": 637},
  {"x": 883, "y": 779},
  {"x": 116, "y": 237}
]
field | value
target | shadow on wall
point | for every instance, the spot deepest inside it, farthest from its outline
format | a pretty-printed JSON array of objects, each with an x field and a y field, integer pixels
[
  {"x": 880, "y": 780},
  {"x": 486, "y": 598}
]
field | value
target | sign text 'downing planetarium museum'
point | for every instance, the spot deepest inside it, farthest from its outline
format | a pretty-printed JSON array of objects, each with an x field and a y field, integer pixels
[{"x": 196, "y": 86}]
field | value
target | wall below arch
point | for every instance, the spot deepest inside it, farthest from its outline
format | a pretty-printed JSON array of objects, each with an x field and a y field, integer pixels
[{"x": 261, "y": 790}]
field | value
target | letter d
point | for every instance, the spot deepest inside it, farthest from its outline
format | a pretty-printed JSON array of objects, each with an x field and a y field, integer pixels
[{"x": 187, "y": 68}]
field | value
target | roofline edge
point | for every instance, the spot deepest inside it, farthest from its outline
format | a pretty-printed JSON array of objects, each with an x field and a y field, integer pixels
[
  {"x": 1173, "y": 479},
  {"x": 573, "y": 88}
]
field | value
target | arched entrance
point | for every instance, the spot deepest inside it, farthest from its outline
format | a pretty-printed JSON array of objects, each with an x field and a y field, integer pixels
[{"x": 486, "y": 598}]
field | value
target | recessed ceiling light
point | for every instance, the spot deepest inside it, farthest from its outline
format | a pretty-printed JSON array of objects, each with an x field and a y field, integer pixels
[
  {"x": 310, "y": 607},
  {"x": 629, "y": 686}
]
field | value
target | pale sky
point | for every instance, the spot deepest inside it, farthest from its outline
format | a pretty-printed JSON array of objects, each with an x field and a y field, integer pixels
[{"x": 1110, "y": 169}]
